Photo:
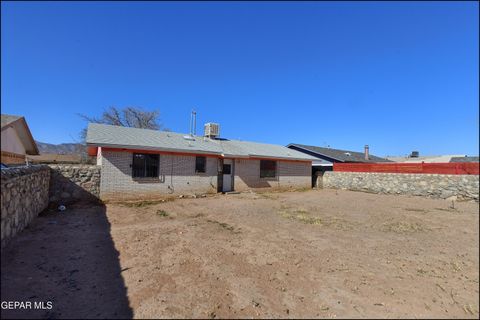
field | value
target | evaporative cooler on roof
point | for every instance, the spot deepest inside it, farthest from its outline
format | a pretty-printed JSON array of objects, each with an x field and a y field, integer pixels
[{"x": 212, "y": 130}]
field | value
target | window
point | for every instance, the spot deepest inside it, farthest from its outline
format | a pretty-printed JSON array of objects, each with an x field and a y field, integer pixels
[
  {"x": 268, "y": 169},
  {"x": 145, "y": 165},
  {"x": 200, "y": 164},
  {"x": 227, "y": 169}
]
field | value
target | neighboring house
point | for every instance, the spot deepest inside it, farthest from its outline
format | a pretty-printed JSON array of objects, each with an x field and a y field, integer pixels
[
  {"x": 140, "y": 162},
  {"x": 16, "y": 139},
  {"x": 55, "y": 158},
  {"x": 415, "y": 158},
  {"x": 325, "y": 157}
]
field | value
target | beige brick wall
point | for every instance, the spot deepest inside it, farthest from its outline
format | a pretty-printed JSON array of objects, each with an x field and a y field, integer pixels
[
  {"x": 289, "y": 174},
  {"x": 177, "y": 176}
]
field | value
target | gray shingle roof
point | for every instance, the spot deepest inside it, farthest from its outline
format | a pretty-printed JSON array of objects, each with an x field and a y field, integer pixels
[
  {"x": 339, "y": 155},
  {"x": 465, "y": 159},
  {"x": 145, "y": 139}
]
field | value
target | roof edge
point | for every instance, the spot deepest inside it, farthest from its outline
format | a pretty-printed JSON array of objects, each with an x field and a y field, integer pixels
[
  {"x": 30, "y": 135},
  {"x": 297, "y": 146},
  {"x": 135, "y": 147},
  {"x": 250, "y": 156}
]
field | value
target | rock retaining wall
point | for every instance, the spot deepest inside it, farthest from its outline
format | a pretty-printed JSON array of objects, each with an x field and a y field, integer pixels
[
  {"x": 72, "y": 183},
  {"x": 463, "y": 187},
  {"x": 24, "y": 192}
]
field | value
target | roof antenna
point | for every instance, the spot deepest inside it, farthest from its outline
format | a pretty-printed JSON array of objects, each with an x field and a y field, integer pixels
[{"x": 193, "y": 123}]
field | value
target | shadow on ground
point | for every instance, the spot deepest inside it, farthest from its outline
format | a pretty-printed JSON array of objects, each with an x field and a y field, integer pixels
[{"x": 69, "y": 259}]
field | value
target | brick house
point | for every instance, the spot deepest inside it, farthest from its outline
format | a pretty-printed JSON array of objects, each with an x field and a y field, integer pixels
[{"x": 140, "y": 162}]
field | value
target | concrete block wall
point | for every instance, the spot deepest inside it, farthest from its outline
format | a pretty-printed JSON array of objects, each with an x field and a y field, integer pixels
[
  {"x": 289, "y": 174},
  {"x": 176, "y": 176},
  {"x": 463, "y": 187},
  {"x": 24, "y": 194}
]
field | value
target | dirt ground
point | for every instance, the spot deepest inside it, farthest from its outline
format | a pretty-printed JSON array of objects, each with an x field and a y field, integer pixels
[{"x": 311, "y": 254}]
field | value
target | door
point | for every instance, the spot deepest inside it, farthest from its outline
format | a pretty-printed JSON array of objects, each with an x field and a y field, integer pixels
[
  {"x": 220, "y": 176},
  {"x": 227, "y": 175}
]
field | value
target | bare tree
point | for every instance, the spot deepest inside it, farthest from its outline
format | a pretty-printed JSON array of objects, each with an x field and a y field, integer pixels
[{"x": 126, "y": 117}]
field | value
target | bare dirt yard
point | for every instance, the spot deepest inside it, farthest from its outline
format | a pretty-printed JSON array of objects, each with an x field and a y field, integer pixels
[{"x": 311, "y": 254}]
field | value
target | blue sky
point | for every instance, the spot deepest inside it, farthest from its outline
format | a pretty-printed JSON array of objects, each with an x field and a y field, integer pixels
[{"x": 399, "y": 76}]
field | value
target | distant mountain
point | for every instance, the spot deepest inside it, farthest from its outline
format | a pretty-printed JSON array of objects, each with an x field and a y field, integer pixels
[{"x": 63, "y": 148}]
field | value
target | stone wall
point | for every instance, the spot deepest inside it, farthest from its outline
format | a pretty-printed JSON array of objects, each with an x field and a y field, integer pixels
[
  {"x": 73, "y": 182},
  {"x": 24, "y": 192},
  {"x": 463, "y": 187}
]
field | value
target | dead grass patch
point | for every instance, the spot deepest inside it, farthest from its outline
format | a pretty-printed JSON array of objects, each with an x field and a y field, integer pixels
[
  {"x": 268, "y": 196},
  {"x": 144, "y": 203},
  {"x": 455, "y": 266},
  {"x": 275, "y": 192},
  {"x": 162, "y": 213},
  {"x": 302, "y": 189},
  {"x": 447, "y": 209},
  {"x": 302, "y": 215},
  {"x": 223, "y": 225},
  {"x": 468, "y": 308},
  {"x": 415, "y": 210},
  {"x": 404, "y": 227}
]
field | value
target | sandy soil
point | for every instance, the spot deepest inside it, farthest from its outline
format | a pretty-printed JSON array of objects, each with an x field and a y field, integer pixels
[{"x": 312, "y": 254}]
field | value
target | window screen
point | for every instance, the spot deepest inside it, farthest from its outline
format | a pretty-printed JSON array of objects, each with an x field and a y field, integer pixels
[
  {"x": 145, "y": 165},
  {"x": 227, "y": 169},
  {"x": 200, "y": 163},
  {"x": 268, "y": 169}
]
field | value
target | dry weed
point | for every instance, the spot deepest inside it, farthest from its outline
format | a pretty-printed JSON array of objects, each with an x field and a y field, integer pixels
[{"x": 404, "y": 227}]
